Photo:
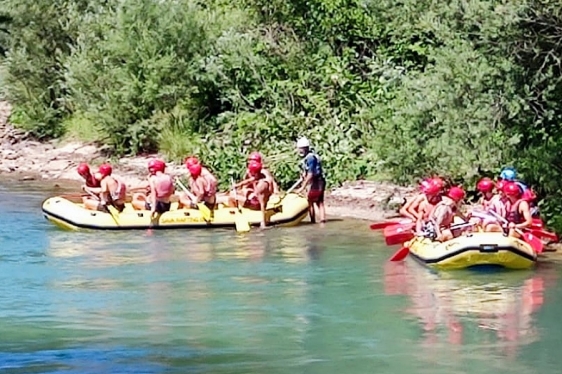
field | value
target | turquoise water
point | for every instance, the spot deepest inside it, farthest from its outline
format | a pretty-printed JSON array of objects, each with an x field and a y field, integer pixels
[{"x": 300, "y": 300}]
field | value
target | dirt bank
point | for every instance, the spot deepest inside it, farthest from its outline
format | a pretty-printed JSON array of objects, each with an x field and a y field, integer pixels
[{"x": 55, "y": 162}]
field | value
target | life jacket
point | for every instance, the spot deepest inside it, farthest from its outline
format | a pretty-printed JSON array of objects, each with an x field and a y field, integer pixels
[
  {"x": 513, "y": 214},
  {"x": 317, "y": 172},
  {"x": 261, "y": 176},
  {"x": 92, "y": 182},
  {"x": 449, "y": 220},
  {"x": 164, "y": 185},
  {"x": 429, "y": 206}
]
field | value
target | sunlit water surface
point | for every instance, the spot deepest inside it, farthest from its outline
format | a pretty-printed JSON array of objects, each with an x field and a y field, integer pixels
[{"x": 296, "y": 300}]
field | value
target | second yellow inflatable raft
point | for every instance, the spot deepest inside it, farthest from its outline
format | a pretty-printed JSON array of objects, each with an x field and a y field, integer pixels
[
  {"x": 64, "y": 213},
  {"x": 476, "y": 249}
]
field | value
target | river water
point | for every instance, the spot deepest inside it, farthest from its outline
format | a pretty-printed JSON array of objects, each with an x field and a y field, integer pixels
[{"x": 296, "y": 300}]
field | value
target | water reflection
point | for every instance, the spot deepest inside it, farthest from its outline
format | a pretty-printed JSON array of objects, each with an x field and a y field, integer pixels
[{"x": 449, "y": 305}]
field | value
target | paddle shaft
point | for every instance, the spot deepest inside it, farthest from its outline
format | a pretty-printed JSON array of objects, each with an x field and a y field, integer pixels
[
  {"x": 497, "y": 216},
  {"x": 293, "y": 186},
  {"x": 186, "y": 191}
]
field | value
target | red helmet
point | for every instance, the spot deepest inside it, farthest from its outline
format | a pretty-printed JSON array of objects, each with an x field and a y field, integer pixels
[
  {"x": 195, "y": 169},
  {"x": 500, "y": 185},
  {"x": 105, "y": 170},
  {"x": 156, "y": 165},
  {"x": 192, "y": 160},
  {"x": 83, "y": 169},
  {"x": 255, "y": 156},
  {"x": 529, "y": 195},
  {"x": 438, "y": 182},
  {"x": 456, "y": 193},
  {"x": 512, "y": 189},
  {"x": 485, "y": 185},
  {"x": 254, "y": 167},
  {"x": 431, "y": 186}
]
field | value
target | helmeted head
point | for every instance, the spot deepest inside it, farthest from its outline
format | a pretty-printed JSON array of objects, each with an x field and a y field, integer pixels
[
  {"x": 432, "y": 186},
  {"x": 303, "y": 145},
  {"x": 508, "y": 174},
  {"x": 254, "y": 167},
  {"x": 512, "y": 190},
  {"x": 255, "y": 156},
  {"x": 457, "y": 194},
  {"x": 83, "y": 170},
  {"x": 192, "y": 160},
  {"x": 105, "y": 170},
  {"x": 195, "y": 170},
  {"x": 156, "y": 165},
  {"x": 485, "y": 185},
  {"x": 500, "y": 185}
]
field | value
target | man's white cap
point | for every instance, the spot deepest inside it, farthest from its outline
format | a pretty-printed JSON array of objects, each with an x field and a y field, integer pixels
[{"x": 303, "y": 143}]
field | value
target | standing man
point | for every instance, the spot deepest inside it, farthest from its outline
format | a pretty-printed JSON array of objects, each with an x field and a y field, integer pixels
[{"x": 313, "y": 177}]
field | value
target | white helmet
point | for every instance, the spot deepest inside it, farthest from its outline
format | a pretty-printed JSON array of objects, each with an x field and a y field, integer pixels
[{"x": 303, "y": 143}]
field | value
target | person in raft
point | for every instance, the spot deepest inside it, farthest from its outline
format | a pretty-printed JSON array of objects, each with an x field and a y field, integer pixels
[
  {"x": 430, "y": 191},
  {"x": 518, "y": 214},
  {"x": 256, "y": 156},
  {"x": 313, "y": 179},
  {"x": 91, "y": 181},
  {"x": 161, "y": 188},
  {"x": 490, "y": 200},
  {"x": 431, "y": 196},
  {"x": 202, "y": 183},
  {"x": 438, "y": 227},
  {"x": 509, "y": 174},
  {"x": 112, "y": 192},
  {"x": 258, "y": 188}
]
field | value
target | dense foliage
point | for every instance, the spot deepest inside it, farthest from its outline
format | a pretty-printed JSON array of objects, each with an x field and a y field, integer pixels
[{"x": 384, "y": 89}]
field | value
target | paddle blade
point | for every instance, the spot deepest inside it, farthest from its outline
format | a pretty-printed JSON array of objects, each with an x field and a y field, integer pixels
[
  {"x": 545, "y": 235},
  {"x": 385, "y": 224},
  {"x": 398, "y": 234},
  {"x": 537, "y": 224},
  {"x": 242, "y": 224},
  {"x": 205, "y": 211},
  {"x": 400, "y": 254},
  {"x": 399, "y": 238},
  {"x": 382, "y": 225},
  {"x": 534, "y": 242},
  {"x": 114, "y": 213}
]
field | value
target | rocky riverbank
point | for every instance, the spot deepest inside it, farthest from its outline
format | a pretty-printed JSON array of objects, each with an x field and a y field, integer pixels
[{"x": 55, "y": 162}]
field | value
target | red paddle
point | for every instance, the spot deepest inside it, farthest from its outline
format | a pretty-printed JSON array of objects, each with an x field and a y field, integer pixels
[
  {"x": 398, "y": 234},
  {"x": 532, "y": 240},
  {"x": 401, "y": 233},
  {"x": 400, "y": 254},
  {"x": 529, "y": 238},
  {"x": 385, "y": 224},
  {"x": 543, "y": 234}
]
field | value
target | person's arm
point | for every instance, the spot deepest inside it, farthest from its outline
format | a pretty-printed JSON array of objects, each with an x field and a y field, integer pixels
[
  {"x": 309, "y": 165},
  {"x": 94, "y": 190},
  {"x": 413, "y": 209},
  {"x": 244, "y": 182},
  {"x": 104, "y": 192},
  {"x": 152, "y": 198},
  {"x": 270, "y": 179},
  {"x": 526, "y": 212},
  {"x": 440, "y": 214}
]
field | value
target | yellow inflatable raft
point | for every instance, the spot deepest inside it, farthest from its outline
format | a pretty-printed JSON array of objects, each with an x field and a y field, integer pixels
[
  {"x": 289, "y": 211},
  {"x": 475, "y": 249}
]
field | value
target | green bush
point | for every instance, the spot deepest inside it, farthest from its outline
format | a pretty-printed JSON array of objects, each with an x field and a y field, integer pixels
[{"x": 384, "y": 89}]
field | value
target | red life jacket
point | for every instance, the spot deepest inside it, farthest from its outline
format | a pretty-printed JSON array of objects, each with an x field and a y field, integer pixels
[
  {"x": 92, "y": 182},
  {"x": 513, "y": 214}
]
